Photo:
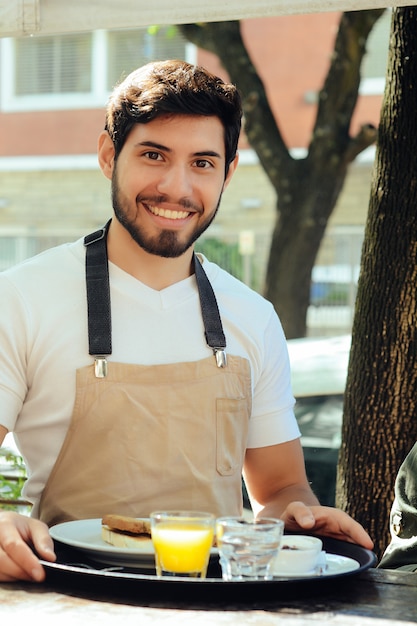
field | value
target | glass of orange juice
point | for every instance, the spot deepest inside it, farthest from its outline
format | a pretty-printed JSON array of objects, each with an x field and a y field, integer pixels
[{"x": 182, "y": 541}]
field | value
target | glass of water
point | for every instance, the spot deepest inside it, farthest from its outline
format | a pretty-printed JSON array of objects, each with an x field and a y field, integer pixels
[{"x": 247, "y": 548}]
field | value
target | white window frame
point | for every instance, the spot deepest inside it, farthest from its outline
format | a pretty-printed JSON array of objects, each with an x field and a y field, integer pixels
[
  {"x": 10, "y": 102},
  {"x": 372, "y": 86}
]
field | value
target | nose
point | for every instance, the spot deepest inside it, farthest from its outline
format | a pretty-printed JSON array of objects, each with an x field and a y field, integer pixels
[{"x": 175, "y": 182}]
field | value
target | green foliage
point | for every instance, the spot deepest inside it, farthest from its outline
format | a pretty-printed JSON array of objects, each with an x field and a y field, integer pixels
[
  {"x": 339, "y": 295},
  {"x": 12, "y": 479},
  {"x": 224, "y": 254},
  {"x": 171, "y": 31}
]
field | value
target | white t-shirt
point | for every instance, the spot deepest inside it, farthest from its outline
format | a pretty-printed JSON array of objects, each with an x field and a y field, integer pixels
[{"x": 44, "y": 340}]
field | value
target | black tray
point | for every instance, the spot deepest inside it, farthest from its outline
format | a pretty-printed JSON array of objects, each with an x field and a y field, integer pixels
[{"x": 73, "y": 572}]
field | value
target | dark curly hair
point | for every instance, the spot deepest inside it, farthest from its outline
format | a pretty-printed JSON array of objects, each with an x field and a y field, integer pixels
[{"x": 174, "y": 87}]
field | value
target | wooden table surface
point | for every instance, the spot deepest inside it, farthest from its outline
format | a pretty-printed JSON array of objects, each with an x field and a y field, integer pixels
[{"x": 371, "y": 598}]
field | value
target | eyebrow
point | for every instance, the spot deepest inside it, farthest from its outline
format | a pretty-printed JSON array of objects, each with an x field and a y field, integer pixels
[{"x": 158, "y": 146}]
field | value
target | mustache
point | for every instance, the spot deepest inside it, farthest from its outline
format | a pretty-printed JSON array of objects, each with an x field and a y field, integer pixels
[{"x": 184, "y": 203}]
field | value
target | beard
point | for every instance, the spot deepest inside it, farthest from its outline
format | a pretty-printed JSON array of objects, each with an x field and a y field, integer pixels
[{"x": 168, "y": 243}]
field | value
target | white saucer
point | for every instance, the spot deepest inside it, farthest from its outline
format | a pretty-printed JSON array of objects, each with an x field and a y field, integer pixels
[{"x": 332, "y": 565}]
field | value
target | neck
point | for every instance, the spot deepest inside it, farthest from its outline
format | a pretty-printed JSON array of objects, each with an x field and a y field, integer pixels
[{"x": 152, "y": 270}]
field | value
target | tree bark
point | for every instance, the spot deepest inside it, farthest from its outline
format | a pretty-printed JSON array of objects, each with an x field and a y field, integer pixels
[
  {"x": 307, "y": 189},
  {"x": 380, "y": 413}
]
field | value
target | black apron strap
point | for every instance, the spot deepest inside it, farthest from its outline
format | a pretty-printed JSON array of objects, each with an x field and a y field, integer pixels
[
  {"x": 211, "y": 317},
  {"x": 98, "y": 299},
  {"x": 99, "y": 306}
]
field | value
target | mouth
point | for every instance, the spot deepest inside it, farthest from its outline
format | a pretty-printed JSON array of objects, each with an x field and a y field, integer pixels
[{"x": 168, "y": 214}]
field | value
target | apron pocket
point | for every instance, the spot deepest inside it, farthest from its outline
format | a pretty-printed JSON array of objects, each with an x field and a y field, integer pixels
[{"x": 232, "y": 419}]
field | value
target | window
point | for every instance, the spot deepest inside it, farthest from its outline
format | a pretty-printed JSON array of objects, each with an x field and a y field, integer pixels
[
  {"x": 53, "y": 65},
  {"x": 130, "y": 49},
  {"x": 79, "y": 70}
]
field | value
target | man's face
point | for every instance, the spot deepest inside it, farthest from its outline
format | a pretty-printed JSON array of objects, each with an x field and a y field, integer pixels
[{"x": 168, "y": 180}]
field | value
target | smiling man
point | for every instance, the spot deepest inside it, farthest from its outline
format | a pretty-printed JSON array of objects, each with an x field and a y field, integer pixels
[
  {"x": 167, "y": 184},
  {"x": 134, "y": 373}
]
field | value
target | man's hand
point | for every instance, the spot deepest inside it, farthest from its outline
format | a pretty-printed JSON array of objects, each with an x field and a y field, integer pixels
[
  {"x": 17, "y": 560},
  {"x": 327, "y": 521}
]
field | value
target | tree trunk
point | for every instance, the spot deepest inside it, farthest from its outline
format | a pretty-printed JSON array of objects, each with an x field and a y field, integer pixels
[
  {"x": 380, "y": 413},
  {"x": 296, "y": 240},
  {"x": 307, "y": 189}
]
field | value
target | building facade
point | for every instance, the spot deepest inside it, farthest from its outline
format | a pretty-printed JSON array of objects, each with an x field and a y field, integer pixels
[{"x": 53, "y": 92}]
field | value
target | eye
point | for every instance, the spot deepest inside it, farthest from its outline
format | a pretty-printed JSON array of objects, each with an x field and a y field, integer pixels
[
  {"x": 152, "y": 155},
  {"x": 203, "y": 163}
]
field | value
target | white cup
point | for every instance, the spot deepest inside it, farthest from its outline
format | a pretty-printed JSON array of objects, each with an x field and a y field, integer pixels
[{"x": 299, "y": 554}]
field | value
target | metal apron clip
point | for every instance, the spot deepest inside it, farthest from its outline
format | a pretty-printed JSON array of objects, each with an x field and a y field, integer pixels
[
  {"x": 100, "y": 367},
  {"x": 221, "y": 358}
]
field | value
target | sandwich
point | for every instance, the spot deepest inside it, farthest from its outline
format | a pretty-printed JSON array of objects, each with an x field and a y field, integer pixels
[{"x": 125, "y": 532}]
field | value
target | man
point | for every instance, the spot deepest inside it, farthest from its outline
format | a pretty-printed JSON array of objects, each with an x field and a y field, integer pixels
[
  {"x": 134, "y": 374},
  {"x": 402, "y": 550}
]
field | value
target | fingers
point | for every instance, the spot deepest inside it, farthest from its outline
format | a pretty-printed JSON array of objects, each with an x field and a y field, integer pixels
[
  {"x": 354, "y": 532},
  {"x": 17, "y": 560},
  {"x": 328, "y": 521},
  {"x": 336, "y": 523},
  {"x": 298, "y": 515}
]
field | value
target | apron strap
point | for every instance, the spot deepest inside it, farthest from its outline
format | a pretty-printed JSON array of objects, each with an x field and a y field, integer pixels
[
  {"x": 99, "y": 307},
  {"x": 98, "y": 299},
  {"x": 211, "y": 317}
]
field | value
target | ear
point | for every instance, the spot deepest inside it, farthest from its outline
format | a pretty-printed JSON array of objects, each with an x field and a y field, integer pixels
[
  {"x": 105, "y": 153},
  {"x": 231, "y": 171}
]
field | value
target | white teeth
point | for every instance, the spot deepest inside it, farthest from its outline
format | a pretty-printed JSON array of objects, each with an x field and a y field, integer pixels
[{"x": 172, "y": 215}]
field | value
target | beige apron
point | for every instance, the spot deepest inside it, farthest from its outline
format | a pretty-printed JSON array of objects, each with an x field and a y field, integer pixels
[
  {"x": 146, "y": 438},
  {"x": 143, "y": 438}
]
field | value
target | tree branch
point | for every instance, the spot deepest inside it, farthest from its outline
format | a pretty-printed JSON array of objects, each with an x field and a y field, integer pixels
[
  {"x": 338, "y": 97},
  {"x": 367, "y": 136},
  {"x": 225, "y": 40}
]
